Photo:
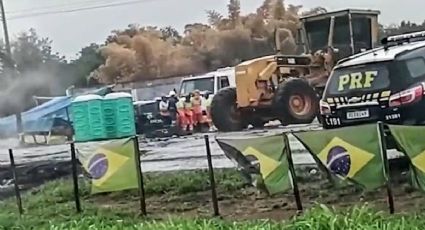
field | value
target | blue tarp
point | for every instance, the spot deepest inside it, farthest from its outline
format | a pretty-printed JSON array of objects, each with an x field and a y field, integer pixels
[
  {"x": 42, "y": 117},
  {"x": 37, "y": 119}
]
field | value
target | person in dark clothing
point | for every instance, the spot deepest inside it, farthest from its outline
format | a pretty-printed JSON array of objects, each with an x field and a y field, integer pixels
[
  {"x": 164, "y": 111},
  {"x": 172, "y": 104}
]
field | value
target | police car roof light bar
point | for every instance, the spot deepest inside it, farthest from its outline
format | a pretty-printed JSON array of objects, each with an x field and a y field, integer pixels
[{"x": 400, "y": 39}]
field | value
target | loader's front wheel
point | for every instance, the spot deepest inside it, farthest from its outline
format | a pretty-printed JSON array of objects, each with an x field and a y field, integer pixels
[
  {"x": 296, "y": 102},
  {"x": 224, "y": 112}
]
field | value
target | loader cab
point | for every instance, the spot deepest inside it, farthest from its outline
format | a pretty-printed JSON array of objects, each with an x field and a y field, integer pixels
[
  {"x": 347, "y": 31},
  {"x": 210, "y": 82}
]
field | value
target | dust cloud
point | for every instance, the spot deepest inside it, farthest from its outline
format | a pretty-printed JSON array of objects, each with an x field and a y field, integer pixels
[
  {"x": 16, "y": 95},
  {"x": 145, "y": 56}
]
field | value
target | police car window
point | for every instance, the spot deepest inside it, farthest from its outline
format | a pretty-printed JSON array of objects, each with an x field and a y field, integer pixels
[
  {"x": 364, "y": 78},
  {"x": 416, "y": 67}
]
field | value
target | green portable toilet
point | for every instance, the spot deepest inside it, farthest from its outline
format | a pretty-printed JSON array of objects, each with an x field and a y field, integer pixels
[
  {"x": 96, "y": 119},
  {"x": 110, "y": 119},
  {"x": 79, "y": 113},
  {"x": 124, "y": 113}
]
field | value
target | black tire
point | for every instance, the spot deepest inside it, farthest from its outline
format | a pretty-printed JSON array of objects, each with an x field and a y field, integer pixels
[
  {"x": 224, "y": 113},
  {"x": 322, "y": 122},
  {"x": 258, "y": 123},
  {"x": 291, "y": 90}
]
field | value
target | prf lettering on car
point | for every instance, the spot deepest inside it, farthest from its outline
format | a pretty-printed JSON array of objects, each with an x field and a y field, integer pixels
[{"x": 357, "y": 80}]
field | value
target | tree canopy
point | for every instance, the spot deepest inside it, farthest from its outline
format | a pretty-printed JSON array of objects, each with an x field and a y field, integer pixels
[{"x": 145, "y": 52}]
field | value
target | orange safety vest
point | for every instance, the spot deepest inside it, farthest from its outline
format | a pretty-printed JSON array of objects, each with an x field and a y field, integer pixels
[
  {"x": 187, "y": 105},
  {"x": 180, "y": 104},
  {"x": 196, "y": 102},
  {"x": 197, "y": 105}
]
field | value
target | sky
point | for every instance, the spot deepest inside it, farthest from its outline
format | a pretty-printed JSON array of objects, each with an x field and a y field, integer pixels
[{"x": 73, "y": 30}]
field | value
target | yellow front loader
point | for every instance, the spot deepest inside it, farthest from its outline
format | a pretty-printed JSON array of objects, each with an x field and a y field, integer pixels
[{"x": 288, "y": 87}]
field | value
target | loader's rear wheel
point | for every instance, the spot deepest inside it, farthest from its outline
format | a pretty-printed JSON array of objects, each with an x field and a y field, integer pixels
[
  {"x": 224, "y": 113},
  {"x": 296, "y": 102}
]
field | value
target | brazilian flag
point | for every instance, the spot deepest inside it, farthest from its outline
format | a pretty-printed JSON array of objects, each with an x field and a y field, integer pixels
[
  {"x": 351, "y": 154},
  {"x": 262, "y": 159},
  {"x": 412, "y": 141},
  {"x": 111, "y": 167}
]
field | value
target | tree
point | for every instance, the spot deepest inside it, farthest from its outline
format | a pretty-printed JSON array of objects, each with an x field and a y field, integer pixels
[
  {"x": 30, "y": 52},
  {"x": 88, "y": 60},
  {"x": 214, "y": 18},
  {"x": 138, "y": 53},
  {"x": 170, "y": 33},
  {"x": 234, "y": 10},
  {"x": 39, "y": 71},
  {"x": 195, "y": 27},
  {"x": 131, "y": 30}
]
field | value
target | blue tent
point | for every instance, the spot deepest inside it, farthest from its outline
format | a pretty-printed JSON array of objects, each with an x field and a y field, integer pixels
[
  {"x": 42, "y": 117},
  {"x": 37, "y": 119}
]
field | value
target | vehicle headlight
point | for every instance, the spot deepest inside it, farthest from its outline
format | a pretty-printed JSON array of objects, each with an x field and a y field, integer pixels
[{"x": 324, "y": 108}]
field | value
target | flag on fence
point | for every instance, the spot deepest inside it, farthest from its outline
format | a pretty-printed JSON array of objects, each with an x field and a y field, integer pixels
[
  {"x": 111, "y": 166},
  {"x": 262, "y": 158},
  {"x": 412, "y": 141},
  {"x": 352, "y": 154}
]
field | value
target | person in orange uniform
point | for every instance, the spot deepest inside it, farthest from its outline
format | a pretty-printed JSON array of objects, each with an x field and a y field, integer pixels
[
  {"x": 181, "y": 117},
  {"x": 184, "y": 113},
  {"x": 188, "y": 107},
  {"x": 197, "y": 107},
  {"x": 207, "y": 104}
]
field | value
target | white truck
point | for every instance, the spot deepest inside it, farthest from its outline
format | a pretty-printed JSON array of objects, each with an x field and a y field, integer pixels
[{"x": 211, "y": 82}]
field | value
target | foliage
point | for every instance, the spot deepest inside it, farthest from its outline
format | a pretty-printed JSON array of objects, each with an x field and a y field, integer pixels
[
  {"x": 234, "y": 10},
  {"x": 214, "y": 18},
  {"x": 40, "y": 71},
  {"x": 89, "y": 59},
  {"x": 139, "y": 52},
  {"x": 36, "y": 65},
  {"x": 146, "y": 52},
  {"x": 403, "y": 27},
  {"x": 51, "y": 207}
]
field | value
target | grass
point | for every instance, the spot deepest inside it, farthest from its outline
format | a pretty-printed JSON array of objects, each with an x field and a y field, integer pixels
[{"x": 51, "y": 207}]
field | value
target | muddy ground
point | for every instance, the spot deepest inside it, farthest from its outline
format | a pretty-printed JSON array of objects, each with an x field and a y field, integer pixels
[
  {"x": 37, "y": 164},
  {"x": 249, "y": 204}
]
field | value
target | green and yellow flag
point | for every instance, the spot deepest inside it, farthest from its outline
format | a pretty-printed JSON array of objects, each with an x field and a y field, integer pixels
[
  {"x": 111, "y": 166},
  {"x": 351, "y": 154},
  {"x": 262, "y": 159},
  {"x": 411, "y": 139}
]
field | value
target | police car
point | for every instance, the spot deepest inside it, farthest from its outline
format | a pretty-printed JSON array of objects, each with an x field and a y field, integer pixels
[{"x": 383, "y": 84}]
